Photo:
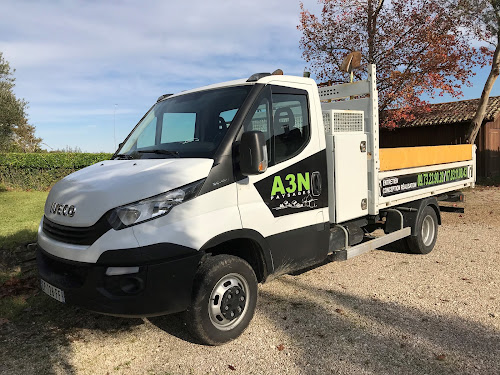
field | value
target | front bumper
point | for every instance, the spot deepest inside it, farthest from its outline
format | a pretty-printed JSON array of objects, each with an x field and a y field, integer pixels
[{"x": 163, "y": 285}]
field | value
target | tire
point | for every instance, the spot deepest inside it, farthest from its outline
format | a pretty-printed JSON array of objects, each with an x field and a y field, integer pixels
[
  {"x": 426, "y": 233},
  {"x": 223, "y": 300}
]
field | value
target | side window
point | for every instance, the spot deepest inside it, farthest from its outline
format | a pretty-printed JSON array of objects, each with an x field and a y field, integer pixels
[
  {"x": 261, "y": 121},
  {"x": 178, "y": 127},
  {"x": 291, "y": 129}
]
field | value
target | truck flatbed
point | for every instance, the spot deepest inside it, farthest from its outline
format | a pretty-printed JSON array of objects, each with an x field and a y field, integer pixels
[{"x": 394, "y": 176}]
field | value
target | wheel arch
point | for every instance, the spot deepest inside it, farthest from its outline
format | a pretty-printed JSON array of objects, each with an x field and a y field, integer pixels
[
  {"x": 411, "y": 217},
  {"x": 247, "y": 244}
]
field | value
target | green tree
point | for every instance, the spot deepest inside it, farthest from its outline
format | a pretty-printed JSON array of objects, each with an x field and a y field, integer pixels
[{"x": 16, "y": 134}]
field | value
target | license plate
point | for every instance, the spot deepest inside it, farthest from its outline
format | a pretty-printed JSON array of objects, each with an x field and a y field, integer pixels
[{"x": 52, "y": 291}]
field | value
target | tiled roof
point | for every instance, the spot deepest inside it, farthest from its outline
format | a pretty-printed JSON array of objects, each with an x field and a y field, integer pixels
[{"x": 455, "y": 112}]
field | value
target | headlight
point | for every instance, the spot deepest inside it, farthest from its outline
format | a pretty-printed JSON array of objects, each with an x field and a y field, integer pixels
[{"x": 151, "y": 208}]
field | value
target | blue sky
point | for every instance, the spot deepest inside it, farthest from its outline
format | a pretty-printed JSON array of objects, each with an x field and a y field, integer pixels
[{"x": 93, "y": 68}]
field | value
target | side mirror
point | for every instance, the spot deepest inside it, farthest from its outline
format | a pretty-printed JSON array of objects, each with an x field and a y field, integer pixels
[{"x": 253, "y": 153}]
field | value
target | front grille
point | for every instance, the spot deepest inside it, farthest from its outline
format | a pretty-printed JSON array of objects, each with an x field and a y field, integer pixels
[{"x": 75, "y": 235}]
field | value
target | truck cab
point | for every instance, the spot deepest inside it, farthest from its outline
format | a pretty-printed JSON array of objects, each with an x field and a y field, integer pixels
[{"x": 218, "y": 188}]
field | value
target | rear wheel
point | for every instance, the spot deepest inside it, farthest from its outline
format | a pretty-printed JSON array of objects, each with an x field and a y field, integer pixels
[
  {"x": 426, "y": 232},
  {"x": 223, "y": 301}
]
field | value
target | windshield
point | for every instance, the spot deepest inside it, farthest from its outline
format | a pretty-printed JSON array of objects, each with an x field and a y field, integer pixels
[{"x": 191, "y": 125}]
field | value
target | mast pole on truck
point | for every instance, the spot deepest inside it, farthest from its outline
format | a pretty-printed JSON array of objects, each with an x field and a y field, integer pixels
[{"x": 371, "y": 127}]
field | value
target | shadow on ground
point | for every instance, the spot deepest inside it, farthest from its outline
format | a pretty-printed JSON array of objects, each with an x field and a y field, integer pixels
[
  {"x": 362, "y": 335},
  {"x": 23, "y": 236},
  {"x": 379, "y": 337},
  {"x": 174, "y": 325},
  {"x": 38, "y": 340}
]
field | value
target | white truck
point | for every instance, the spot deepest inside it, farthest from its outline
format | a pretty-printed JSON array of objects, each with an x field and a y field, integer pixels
[{"x": 220, "y": 187}]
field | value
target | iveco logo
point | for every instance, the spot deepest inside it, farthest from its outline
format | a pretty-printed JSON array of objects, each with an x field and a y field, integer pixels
[{"x": 62, "y": 209}]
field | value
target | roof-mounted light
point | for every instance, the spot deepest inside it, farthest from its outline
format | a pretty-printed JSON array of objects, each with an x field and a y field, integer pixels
[
  {"x": 163, "y": 97},
  {"x": 255, "y": 77}
]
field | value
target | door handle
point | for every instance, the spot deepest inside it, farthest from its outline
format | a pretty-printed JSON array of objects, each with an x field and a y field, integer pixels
[{"x": 316, "y": 184}]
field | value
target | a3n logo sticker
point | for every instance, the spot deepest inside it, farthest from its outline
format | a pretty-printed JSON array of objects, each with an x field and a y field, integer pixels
[
  {"x": 298, "y": 194},
  {"x": 296, "y": 183},
  {"x": 295, "y": 189}
]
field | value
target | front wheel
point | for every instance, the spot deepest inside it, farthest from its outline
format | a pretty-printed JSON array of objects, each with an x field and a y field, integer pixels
[
  {"x": 223, "y": 300},
  {"x": 426, "y": 232}
]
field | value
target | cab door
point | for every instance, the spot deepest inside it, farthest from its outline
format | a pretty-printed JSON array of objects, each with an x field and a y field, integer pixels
[{"x": 288, "y": 203}]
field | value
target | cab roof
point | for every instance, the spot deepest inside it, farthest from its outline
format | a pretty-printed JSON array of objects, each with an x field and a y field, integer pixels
[{"x": 276, "y": 79}]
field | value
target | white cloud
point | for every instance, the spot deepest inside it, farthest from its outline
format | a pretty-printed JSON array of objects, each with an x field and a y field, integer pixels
[{"x": 76, "y": 59}]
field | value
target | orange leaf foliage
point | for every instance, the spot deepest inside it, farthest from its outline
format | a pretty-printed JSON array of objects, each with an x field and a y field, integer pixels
[{"x": 419, "y": 48}]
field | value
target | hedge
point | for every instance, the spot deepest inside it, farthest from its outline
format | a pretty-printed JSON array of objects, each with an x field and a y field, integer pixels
[{"x": 39, "y": 171}]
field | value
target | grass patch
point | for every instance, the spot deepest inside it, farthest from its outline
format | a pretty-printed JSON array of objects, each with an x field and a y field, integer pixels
[
  {"x": 7, "y": 274},
  {"x": 12, "y": 307},
  {"x": 21, "y": 214}
]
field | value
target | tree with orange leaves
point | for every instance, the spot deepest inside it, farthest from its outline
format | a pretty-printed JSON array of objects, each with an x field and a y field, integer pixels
[{"x": 418, "y": 46}]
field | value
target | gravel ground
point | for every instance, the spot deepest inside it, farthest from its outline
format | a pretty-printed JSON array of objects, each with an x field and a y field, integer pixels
[{"x": 380, "y": 313}]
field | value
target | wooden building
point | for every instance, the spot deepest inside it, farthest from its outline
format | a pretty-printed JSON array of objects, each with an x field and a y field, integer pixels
[{"x": 447, "y": 123}]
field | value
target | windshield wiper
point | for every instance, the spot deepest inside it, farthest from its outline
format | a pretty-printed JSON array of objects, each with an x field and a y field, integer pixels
[
  {"x": 189, "y": 140},
  {"x": 159, "y": 151},
  {"x": 124, "y": 156}
]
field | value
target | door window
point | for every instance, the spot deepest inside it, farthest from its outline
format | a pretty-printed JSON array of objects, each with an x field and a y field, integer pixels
[
  {"x": 284, "y": 122},
  {"x": 261, "y": 121},
  {"x": 291, "y": 129}
]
